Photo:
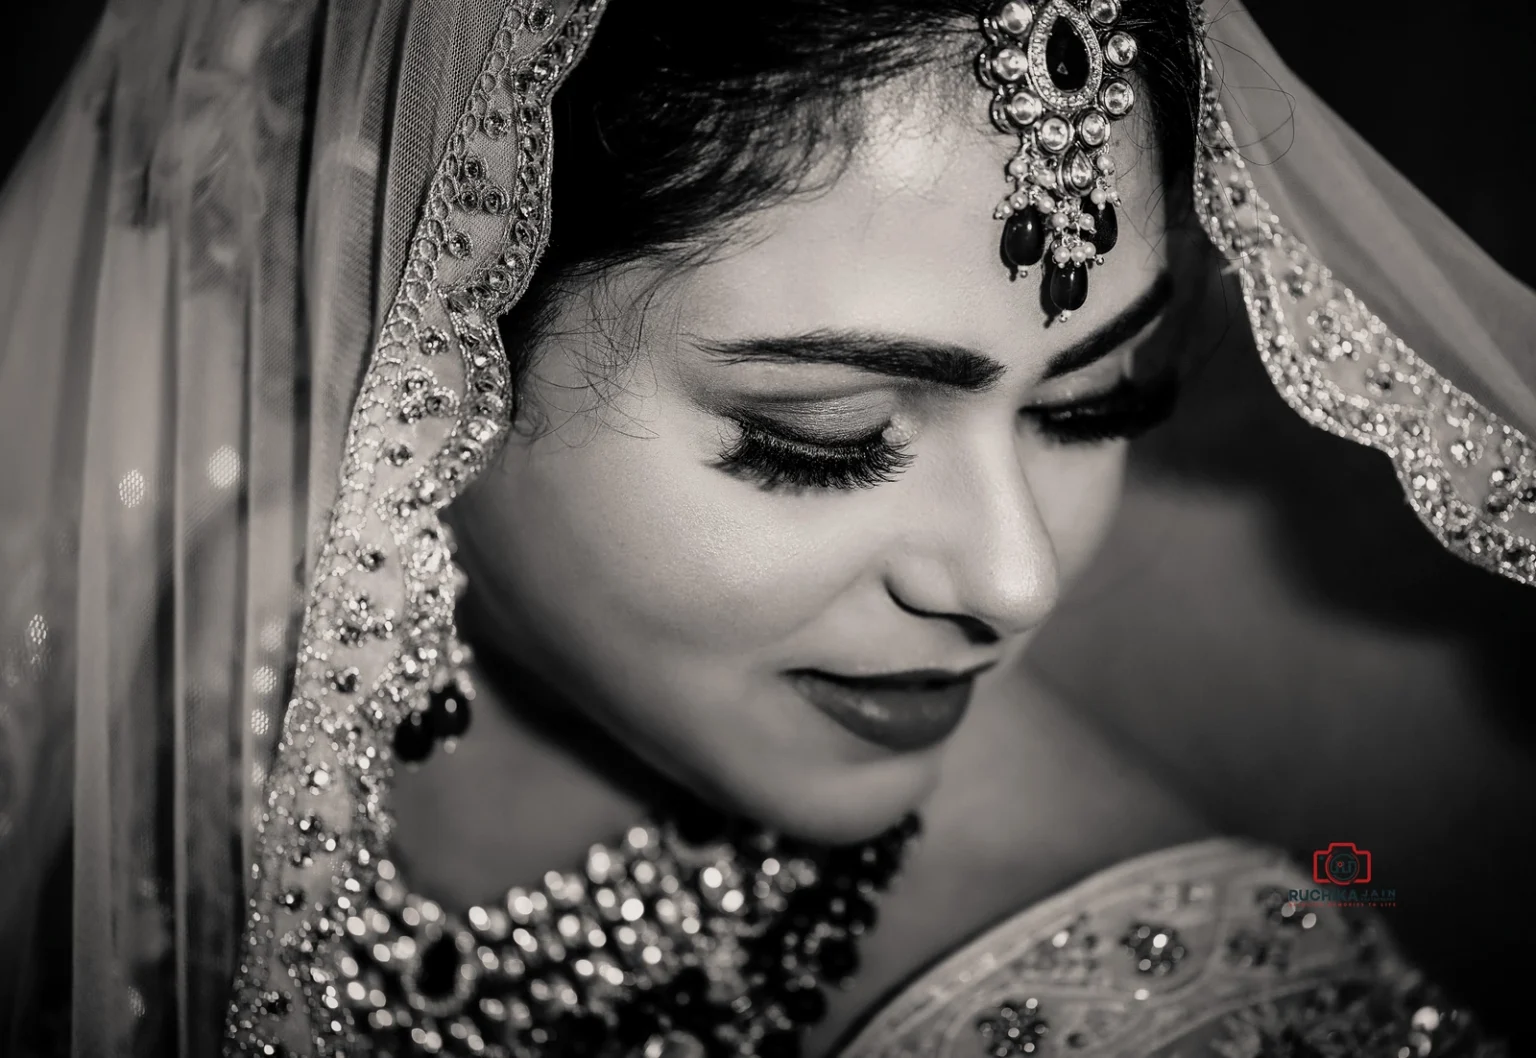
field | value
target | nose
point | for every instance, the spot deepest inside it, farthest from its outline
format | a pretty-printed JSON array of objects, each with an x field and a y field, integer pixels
[{"x": 979, "y": 551}]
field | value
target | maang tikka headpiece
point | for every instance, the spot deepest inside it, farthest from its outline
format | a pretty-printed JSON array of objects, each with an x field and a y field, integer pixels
[{"x": 1057, "y": 69}]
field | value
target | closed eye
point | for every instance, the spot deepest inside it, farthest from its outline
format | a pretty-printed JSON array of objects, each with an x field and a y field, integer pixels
[
  {"x": 777, "y": 457},
  {"x": 1125, "y": 410}
]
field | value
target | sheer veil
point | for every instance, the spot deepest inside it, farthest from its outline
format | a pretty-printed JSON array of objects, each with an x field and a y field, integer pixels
[
  {"x": 196, "y": 246},
  {"x": 206, "y": 248}
]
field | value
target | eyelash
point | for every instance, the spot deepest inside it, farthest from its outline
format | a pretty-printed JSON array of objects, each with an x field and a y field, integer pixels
[
  {"x": 774, "y": 458},
  {"x": 777, "y": 459},
  {"x": 1123, "y": 412}
]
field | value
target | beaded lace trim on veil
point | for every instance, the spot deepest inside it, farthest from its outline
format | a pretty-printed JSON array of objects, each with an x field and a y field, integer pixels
[
  {"x": 378, "y": 633},
  {"x": 1469, "y": 476}
]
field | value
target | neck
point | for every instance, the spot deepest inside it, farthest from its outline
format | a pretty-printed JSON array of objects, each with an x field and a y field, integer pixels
[{"x": 529, "y": 788}]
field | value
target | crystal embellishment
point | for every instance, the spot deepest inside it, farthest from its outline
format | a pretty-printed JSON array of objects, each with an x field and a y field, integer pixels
[
  {"x": 1468, "y": 475},
  {"x": 379, "y": 633},
  {"x": 1045, "y": 62},
  {"x": 1155, "y": 950},
  {"x": 1016, "y": 1029},
  {"x": 722, "y": 938},
  {"x": 1187, "y": 963}
]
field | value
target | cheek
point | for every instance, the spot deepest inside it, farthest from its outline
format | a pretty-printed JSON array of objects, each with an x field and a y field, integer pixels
[
  {"x": 1076, "y": 489},
  {"x": 627, "y": 538}
]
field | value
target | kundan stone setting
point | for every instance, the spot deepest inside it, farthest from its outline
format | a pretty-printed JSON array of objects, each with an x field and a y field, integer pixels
[{"x": 1056, "y": 70}]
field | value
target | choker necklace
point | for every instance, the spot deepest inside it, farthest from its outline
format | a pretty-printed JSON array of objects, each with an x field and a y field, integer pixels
[{"x": 674, "y": 941}]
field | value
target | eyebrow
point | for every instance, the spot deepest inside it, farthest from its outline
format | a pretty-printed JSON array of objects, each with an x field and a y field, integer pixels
[{"x": 940, "y": 363}]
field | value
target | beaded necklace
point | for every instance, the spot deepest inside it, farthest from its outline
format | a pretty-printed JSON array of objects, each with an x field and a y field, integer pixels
[{"x": 674, "y": 940}]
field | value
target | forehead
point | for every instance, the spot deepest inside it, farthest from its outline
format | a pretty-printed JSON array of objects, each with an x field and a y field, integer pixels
[{"x": 904, "y": 238}]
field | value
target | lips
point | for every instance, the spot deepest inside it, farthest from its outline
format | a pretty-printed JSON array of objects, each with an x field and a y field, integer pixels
[{"x": 900, "y": 711}]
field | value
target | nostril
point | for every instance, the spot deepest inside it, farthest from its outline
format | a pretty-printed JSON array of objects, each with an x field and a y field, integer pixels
[{"x": 977, "y": 631}]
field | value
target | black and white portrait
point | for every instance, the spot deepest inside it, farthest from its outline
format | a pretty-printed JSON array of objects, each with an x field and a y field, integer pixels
[{"x": 804, "y": 529}]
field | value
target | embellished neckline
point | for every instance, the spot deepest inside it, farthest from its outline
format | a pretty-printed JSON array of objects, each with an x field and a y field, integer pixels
[
  {"x": 1220, "y": 945},
  {"x": 680, "y": 938}
]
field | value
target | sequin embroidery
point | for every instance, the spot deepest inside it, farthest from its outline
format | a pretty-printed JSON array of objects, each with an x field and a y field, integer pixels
[
  {"x": 378, "y": 635},
  {"x": 1469, "y": 476}
]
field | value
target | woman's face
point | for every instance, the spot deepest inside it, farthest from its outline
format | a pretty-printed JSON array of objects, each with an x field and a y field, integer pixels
[{"x": 784, "y": 503}]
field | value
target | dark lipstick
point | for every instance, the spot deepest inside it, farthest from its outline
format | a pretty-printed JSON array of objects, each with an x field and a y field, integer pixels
[{"x": 901, "y": 711}]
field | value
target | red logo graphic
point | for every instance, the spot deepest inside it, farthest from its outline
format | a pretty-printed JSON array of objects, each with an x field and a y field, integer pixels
[{"x": 1341, "y": 863}]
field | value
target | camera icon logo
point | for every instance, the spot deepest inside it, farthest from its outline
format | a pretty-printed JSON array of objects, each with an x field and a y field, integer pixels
[{"x": 1341, "y": 863}]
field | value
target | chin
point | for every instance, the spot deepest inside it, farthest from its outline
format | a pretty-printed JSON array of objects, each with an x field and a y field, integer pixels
[{"x": 839, "y": 804}]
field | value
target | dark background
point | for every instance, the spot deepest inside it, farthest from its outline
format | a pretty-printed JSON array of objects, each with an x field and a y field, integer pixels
[{"x": 1448, "y": 109}]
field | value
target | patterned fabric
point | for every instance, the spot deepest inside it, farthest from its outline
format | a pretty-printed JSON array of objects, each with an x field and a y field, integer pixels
[{"x": 1200, "y": 950}]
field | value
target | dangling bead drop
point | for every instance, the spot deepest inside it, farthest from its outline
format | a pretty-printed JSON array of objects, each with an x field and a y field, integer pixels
[
  {"x": 413, "y": 738},
  {"x": 1106, "y": 226},
  {"x": 445, "y": 718},
  {"x": 1024, "y": 238},
  {"x": 1068, "y": 286},
  {"x": 448, "y": 712}
]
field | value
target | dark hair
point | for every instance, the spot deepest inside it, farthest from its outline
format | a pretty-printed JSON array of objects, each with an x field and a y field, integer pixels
[{"x": 685, "y": 115}]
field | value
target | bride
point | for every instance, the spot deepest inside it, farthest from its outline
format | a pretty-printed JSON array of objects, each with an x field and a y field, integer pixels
[{"x": 547, "y": 511}]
